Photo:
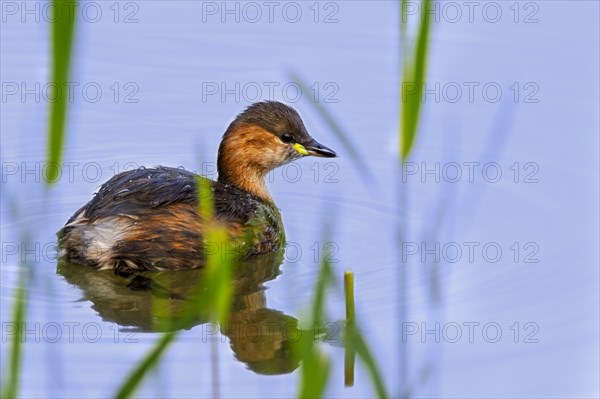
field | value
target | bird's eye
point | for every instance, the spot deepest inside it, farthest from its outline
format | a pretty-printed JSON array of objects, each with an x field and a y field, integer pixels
[{"x": 287, "y": 138}]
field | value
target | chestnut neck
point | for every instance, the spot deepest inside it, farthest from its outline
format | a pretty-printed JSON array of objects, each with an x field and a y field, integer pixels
[
  {"x": 254, "y": 183},
  {"x": 237, "y": 165}
]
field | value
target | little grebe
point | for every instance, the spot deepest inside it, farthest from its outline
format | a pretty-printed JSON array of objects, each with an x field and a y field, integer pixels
[{"x": 147, "y": 219}]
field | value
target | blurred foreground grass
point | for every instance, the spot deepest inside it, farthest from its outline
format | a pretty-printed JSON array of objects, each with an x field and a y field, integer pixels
[{"x": 62, "y": 31}]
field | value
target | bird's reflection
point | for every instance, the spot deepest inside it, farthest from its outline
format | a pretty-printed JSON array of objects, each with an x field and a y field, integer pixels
[{"x": 261, "y": 337}]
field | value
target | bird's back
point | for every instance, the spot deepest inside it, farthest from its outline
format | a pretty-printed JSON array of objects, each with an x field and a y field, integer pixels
[{"x": 147, "y": 219}]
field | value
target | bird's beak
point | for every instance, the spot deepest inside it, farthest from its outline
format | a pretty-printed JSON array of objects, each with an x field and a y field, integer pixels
[{"x": 314, "y": 148}]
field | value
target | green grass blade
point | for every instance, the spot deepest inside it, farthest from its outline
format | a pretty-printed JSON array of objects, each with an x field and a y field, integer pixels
[
  {"x": 359, "y": 344},
  {"x": 219, "y": 275},
  {"x": 315, "y": 365},
  {"x": 349, "y": 293},
  {"x": 350, "y": 353},
  {"x": 319, "y": 299},
  {"x": 206, "y": 207},
  {"x": 218, "y": 297},
  {"x": 63, "y": 26},
  {"x": 414, "y": 74},
  {"x": 316, "y": 369},
  {"x": 11, "y": 380},
  {"x": 152, "y": 358},
  {"x": 334, "y": 126}
]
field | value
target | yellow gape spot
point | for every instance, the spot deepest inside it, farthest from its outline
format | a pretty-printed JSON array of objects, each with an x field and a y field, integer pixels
[{"x": 300, "y": 148}]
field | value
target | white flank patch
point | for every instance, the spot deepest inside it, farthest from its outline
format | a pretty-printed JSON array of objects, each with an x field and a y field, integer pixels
[{"x": 100, "y": 238}]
